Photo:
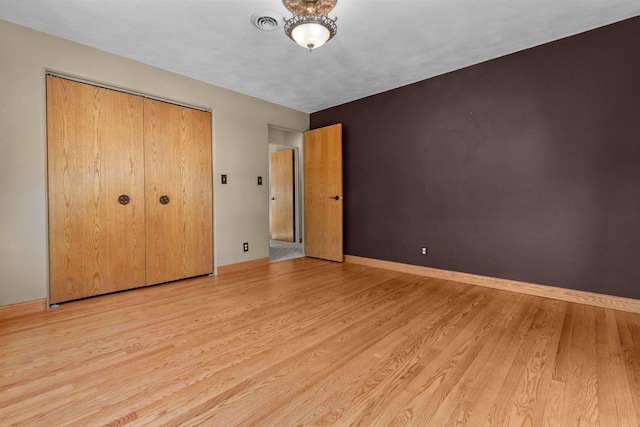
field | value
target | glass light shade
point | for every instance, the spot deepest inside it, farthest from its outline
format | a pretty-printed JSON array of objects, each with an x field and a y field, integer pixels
[{"x": 310, "y": 35}]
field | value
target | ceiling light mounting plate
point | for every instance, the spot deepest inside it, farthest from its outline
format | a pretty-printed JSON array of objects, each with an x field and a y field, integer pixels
[{"x": 302, "y": 7}]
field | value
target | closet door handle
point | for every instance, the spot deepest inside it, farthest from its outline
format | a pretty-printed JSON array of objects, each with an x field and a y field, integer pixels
[
  {"x": 164, "y": 200},
  {"x": 124, "y": 199}
]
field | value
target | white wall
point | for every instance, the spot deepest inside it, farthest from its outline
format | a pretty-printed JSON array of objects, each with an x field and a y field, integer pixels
[{"x": 240, "y": 150}]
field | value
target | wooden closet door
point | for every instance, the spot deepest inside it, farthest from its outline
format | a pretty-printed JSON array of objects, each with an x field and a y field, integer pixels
[
  {"x": 95, "y": 154},
  {"x": 178, "y": 192},
  {"x": 282, "y": 200}
]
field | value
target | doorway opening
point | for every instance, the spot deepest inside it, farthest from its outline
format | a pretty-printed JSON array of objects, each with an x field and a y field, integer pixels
[{"x": 286, "y": 221}]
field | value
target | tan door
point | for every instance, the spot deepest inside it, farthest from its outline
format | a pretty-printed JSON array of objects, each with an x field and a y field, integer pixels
[
  {"x": 323, "y": 193},
  {"x": 282, "y": 200},
  {"x": 95, "y": 156},
  {"x": 178, "y": 192}
]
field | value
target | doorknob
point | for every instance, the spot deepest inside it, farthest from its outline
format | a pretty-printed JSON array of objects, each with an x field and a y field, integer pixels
[
  {"x": 124, "y": 199},
  {"x": 336, "y": 197},
  {"x": 273, "y": 198},
  {"x": 164, "y": 200}
]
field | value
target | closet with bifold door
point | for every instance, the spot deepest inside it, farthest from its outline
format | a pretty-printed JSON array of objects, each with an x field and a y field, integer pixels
[{"x": 129, "y": 191}]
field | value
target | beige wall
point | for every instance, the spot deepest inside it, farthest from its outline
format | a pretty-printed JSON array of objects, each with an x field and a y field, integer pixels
[{"x": 240, "y": 150}]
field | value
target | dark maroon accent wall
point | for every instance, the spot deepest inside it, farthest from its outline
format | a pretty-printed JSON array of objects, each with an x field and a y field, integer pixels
[{"x": 526, "y": 167}]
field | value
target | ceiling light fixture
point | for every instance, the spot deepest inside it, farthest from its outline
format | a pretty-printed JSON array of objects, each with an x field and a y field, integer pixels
[{"x": 310, "y": 26}]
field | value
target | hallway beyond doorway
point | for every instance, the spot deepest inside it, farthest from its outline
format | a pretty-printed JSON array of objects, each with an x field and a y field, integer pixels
[{"x": 281, "y": 251}]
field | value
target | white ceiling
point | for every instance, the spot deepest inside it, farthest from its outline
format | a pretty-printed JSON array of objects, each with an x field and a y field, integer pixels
[{"x": 380, "y": 45}]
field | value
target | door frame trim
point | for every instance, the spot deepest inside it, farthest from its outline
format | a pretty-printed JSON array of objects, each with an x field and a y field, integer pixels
[{"x": 103, "y": 85}]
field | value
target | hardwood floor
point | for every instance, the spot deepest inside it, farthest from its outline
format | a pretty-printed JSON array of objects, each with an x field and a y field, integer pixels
[{"x": 308, "y": 342}]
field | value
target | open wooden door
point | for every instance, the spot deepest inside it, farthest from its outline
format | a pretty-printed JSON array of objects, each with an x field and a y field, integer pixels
[
  {"x": 282, "y": 200},
  {"x": 323, "y": 193}
]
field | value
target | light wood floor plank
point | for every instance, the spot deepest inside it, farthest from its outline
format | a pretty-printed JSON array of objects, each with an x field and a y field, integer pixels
[
  {"x": 613, "y": 381},
  {"x": 393, "y": 355},
  {"x": 476, "y": 384},
  {"x": 394, "y": 371},
  {"x": 629, "y": 328},
  {"x": 426, "y": 392},
  {"x": 312, "y": 387},
  {"x": 315, "y": 355},
  {"x": 481, "y": 403},
  {"x": 308, "y": 342},
  {"x": 575, "y": 365}
]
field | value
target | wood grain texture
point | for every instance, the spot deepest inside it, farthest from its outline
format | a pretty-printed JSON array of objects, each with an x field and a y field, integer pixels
[
  {"x": 243, "y": 266},
  {"x": 310, "y": 342},
  {"x": 570, "y": 295},
  {"x": 23, "y": 308},
  {"x": 323, "y": 215},
  {"x": 177, "y": 165},
  {"x": 95, "y": 154},
  {"x": 282, "y": 200}
]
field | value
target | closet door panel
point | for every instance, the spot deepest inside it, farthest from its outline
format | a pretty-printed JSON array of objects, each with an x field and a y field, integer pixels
[
  {"x": 95, "y": 154},
  {"x": 178, "y": 192},
  {"x": 122, "y": 148},
  {"x": 197, "y": 190}
]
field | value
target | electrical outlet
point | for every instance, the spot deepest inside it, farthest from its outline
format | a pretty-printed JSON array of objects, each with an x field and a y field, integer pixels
[
  {"x": 424, "y": 250},
  {"x": 245, "y": 246}
]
